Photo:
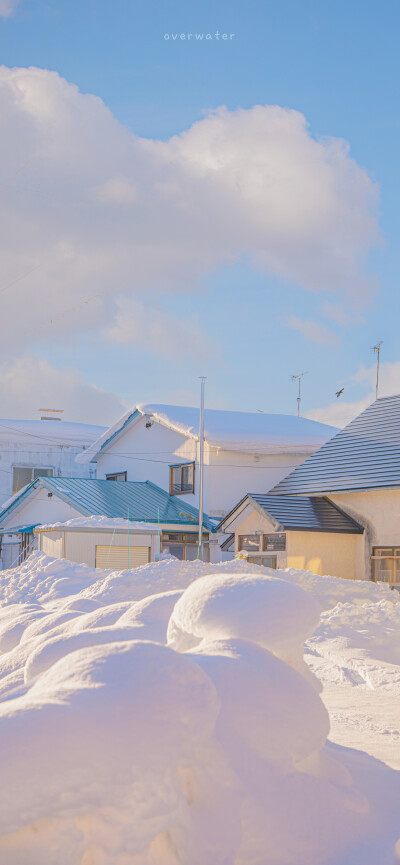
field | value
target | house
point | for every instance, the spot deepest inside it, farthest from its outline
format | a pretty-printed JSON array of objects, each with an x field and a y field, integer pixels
[
  {"x": 359, "y": 471},
  {"x": 49, "y": 500},
  {"x": 241, "y": 450},
  {"x": 34, "y": 448},
  {"x": 101, "y": 543},
  {"x": 306, "y": 532}
]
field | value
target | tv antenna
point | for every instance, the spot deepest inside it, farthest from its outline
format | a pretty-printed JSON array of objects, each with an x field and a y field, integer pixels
[
  {"x": 298, "y": 378},
  {"x": 377, "y": 350}
]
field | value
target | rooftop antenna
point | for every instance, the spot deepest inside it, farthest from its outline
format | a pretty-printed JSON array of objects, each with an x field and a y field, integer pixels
[
  {"x": 298, "y": 378},
  {"x": 377, "y": 350}
]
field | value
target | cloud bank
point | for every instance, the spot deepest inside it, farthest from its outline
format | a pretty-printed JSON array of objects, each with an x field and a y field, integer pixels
[
  {"x": 7, "y": 7},
  {"x": 93, "y": 215},
  {"x": 28, "y": 384}
]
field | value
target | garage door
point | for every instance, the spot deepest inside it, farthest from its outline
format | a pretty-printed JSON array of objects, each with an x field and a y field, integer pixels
[{"x": 117, "y": 557}]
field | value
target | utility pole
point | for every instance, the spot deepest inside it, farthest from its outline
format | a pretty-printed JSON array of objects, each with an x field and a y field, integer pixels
[
  {"x": 377, "y": 350},
  {"x": 298, "y": 378},
  {"x": 201, "y": 461}
]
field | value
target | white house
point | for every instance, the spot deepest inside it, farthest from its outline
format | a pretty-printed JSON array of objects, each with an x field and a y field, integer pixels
[
  {"x": 243, "y": 450},
  {"x": 42, "y": 448}
]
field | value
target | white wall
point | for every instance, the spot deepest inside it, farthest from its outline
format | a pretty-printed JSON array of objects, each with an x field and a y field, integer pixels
[
  {"x": 146, "y": 454},
  {"x": 61, "y": 459},
  {"x": 232, "y": 474},
  {"x": 40, "y": 508}
]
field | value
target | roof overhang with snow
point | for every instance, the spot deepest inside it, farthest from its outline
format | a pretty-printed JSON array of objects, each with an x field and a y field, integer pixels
[{"x": 246, "y": 432}]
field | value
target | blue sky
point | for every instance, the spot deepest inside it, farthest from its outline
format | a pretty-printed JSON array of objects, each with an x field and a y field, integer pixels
[{"x": 337, "y": 63}]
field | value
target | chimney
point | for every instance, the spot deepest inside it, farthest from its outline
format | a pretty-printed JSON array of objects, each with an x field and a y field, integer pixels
[{"x": 51, "y": 413}]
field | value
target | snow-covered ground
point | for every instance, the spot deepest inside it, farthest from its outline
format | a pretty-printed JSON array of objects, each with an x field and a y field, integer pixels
[{"x": 166, "y": 716}]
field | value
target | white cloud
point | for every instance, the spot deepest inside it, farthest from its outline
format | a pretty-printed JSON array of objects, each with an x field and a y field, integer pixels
[
  {"x": 341, "y": 412},
  {"x": 90, "y": 210},
  {"x": 31, "y": 383},
  {"x": 154, "y": 331},
  {"x": 7, "y": 7},
  {"x": 313, "y": 331}
]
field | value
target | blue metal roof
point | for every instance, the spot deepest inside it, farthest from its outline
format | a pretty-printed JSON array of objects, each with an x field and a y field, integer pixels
[
  {"x": 365, "y": 455},
  {"x": 134, "y": 500},
  {"x": 298, "y": 513}
]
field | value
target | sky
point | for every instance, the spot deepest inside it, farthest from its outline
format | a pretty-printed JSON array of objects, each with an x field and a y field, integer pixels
[{"x": 174, "y": 206}]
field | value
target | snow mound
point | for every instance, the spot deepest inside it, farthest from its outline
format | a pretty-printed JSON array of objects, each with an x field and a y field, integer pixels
[
  {"x": 118, "y": 749},
  {"x": 266, "y": 610},
  {"x": 330, "y": 591}
]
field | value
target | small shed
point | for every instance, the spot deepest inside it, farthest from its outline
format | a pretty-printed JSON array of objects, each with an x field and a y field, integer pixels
[{"x": 101, "y": 542}]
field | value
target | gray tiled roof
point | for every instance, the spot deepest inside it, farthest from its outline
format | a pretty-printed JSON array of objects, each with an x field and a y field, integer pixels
[
  {"x": 306, "y": 513},
  {"x": 365, "y": 455}
]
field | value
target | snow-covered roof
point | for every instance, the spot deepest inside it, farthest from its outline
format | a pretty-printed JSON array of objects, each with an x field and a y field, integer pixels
[
  {"x": 248, "y": 432},
  {"x": 99, "y": 522},
  {"x": 48, "y": 433}
]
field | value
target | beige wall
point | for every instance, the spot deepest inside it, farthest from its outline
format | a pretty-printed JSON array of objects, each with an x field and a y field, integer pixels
[
  {"x": 323, "y": 553},
  {"x": 80, "y": 547},
  {"x": 379, "y": 512}
]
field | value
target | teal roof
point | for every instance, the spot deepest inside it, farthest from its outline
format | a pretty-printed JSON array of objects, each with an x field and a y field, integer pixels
[{"x": 134, "y": 500}]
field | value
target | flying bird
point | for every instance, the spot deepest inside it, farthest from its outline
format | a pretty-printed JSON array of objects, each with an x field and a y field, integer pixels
[{"x": 339, "y": 392}]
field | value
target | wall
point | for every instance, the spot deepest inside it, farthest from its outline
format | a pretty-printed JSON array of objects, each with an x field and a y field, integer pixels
[
  {"x": 146, "y": 455},
  {"x": 39, "y": 508},
  {"x": 80, "y": 547},
  {"x": 61, "y": 459},
  {"x": 232, "y": 474},
  {"x": 324, "y": 553},
  {"x": 379, "y": 512}
]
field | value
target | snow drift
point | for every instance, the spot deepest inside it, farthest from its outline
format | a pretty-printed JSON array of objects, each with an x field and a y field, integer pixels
[{"x": 165, "y": 716}]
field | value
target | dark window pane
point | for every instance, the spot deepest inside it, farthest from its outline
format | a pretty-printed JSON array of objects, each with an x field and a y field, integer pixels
[
  {"x": 187, "y": 478},
  {"x": 176, "y": 480},
  {"x": 177, "y": 550},
  {"x": 22, "y": 475},
  {"x": 42, "y": 473},
  {"x": 249, "y": 542},
  {"x": 266, "y": 561},
  {"x": 274, "y": 542}
]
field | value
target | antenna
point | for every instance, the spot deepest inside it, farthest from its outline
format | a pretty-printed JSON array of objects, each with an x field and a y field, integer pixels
[
  {"x": 298, "y": 378},
  {"x": 377, "y": 350}
]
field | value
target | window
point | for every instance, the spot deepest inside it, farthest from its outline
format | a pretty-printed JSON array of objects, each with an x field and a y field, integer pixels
[
  {"x": 181, "y": 479},
  {"x": 23, "y": 475},
  {"x": 182, "y": 546},
  {"x": 250, "y": 543},
  {"x": 276, "y": 543},
  {"x": 266, "y": 561},
  {"x": 118, "y": 476},
  {"x": 386, "y": 565}
]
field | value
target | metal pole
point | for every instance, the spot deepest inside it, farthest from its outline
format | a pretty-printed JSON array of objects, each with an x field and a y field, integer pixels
[
  {"x": 201, "y": 461},
  {"x": 377, "y": 350},
  {"x": 377, "y": 374},
  {"x": 299, "y": 400}
]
